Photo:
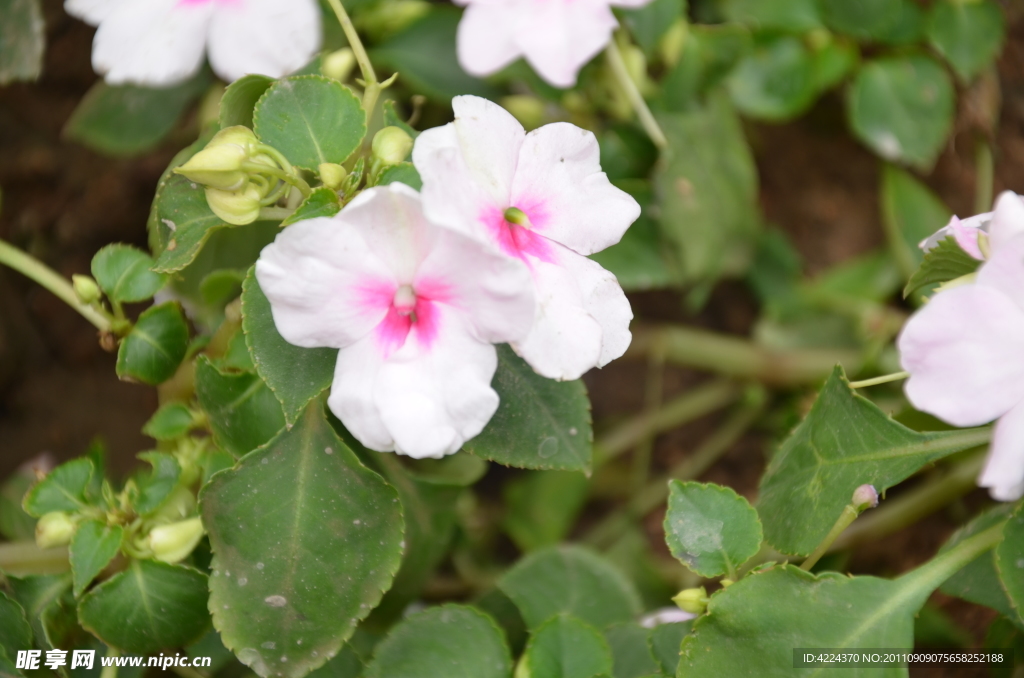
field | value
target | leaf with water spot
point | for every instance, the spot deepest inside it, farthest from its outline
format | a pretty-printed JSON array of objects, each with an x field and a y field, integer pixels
[
  {"x": 710, "y": 528},
  {"x": 305, "y": 541}
]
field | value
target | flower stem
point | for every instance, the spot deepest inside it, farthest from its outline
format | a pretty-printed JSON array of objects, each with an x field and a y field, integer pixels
[
  {"x": 24, "y": 557},
  {"x": 110, "y": 670},
  {"x": 288, "y": 175},
  {"x": 632, "y": 93},
  {"x": 372, "y": 87},
  {"x": 653, "y": 399},
  {"x": 51, "y": 280},
  {"x": 846, "y": 519},
  {"x": 884, "y": 379},
  {"x": 932, "y": 574}
]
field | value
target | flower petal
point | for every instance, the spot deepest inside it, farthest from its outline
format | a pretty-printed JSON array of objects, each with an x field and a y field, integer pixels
[
  {"x": 156, "y": 43},
  {"x": 559, "y": 175},
  {"x": 563, "y": 35},
  {"x": 91, "y": 11},
  {"x": 351, "y": 397},
  {"x": 1004, "y": 270},
  {"x": 963, "y": 354},
  {"x": 606, "y": 303},
  {"x": 1007, "y": 219},
  {"x": 489, "y": 139},
  {"x": 434, "y": 399},
  {"x": 1004, "y": 470},
  {"x": 266, "y": 37},
  {"x": 485, "y": 42}
]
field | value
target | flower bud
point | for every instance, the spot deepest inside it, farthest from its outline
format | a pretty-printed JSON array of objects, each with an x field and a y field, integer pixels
[
  {"x": 339, "y": 64},
  {"x": 332, "y": 175},
  {"x": 391, "y": 145},
  {"x": 181, "y": 503},
  {"x": 172, "y": 543},
  {"x": 86, "y": 289},
  {"x": 694, "y": 601},
  {"x": 219, "y": 165},
  {"x": 235, "y": 207},
  {"x": 54, "y": 529},
  {"x": 865, "y": 497}
]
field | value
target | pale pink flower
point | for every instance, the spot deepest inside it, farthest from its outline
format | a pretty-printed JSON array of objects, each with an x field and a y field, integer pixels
[
  {"x": 556, "y": 37},
  {"x": 159, "y": 43},
  {"x": 414, "y": 308},
  {"x": 1005, "y": 221},
  {"x": 478, "y": 167}
]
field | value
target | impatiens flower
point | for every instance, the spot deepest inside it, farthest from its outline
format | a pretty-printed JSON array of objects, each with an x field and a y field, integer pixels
[
  {"x": 414, "y": 308},
  {"x": 964, "y": 351},
  {"x": 993, "y": 228},
  {"x": 541, "y": 198},
  {"x": 556, "y": 37},
  {"x": 159, "y": 43}
]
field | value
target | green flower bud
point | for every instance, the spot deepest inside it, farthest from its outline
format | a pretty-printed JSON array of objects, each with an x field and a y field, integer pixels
[
  {"x": 54, "y": 529},
  {"x": 86, "y": 289},
  {"x": 332, "y": 175},
  {"x": 694, "y": 601},
  {"x": 235, "y": 207},
  {"x": 672, "y": 43},
  {"x": 219, "y": 165},
  {"x": 391, "y": 145},
  {"x": 172, "y": 543},
  {"x": 339, "y": 64},
  {"x": 180, "y": 504}
]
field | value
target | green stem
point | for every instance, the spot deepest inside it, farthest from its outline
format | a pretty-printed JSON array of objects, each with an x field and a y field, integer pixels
[
  {"x": 51, "y": 280},
  {"x": 846, "y": 519},
  {"x": 984, "y": 169},
  {"x": 632, "y": 93},
  {"x": 932, "y": 574},
  {"x": 24, "y": 557},
  {"x": 372, "y": 88},
  {"x": 739, "y": 357},
  {"x": 110, "y": 671},
  {"x": 884, "y": 379},
  {"x": 275, "y": 213},
  {"x": 288, "y": 176}
]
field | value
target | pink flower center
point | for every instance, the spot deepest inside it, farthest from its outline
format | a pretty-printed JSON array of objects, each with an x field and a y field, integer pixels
[
  {"x": 411, "y": 310},
  {"x": 520, "y": 237}
]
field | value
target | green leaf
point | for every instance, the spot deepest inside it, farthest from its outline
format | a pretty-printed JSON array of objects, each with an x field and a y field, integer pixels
[
  {"x": 128, "y": 120},
  {"x": 910, "y": 213},
  {"x": 775, "y": 81},
  {"x": 122, "y": 271},
  {"x": 184, "y": 221},
  {"x": 403, "y": 173},
  {"x": 908, "y": 26},
  {"x": 239, "y": 100},
  {"x": 902, "y": 108},
  {"x": 664, "y": 641},
  {"x": 311, "y": 119},
  {"x": 156, "y": 345},
  {"x": 639, "y": 260},
  {"x": 571, "y": 580},
  {"x": 243, "y": 412},
  {"x": 15, "y": 631},
  {"x": 566, "y": 647},
  {"x": 22, "y": 40},
  {"x": 945, "y": 262},
  {"x": 833, "y": 62},
  {"x": 1001, "y": 635},
  {"x": 15, "y": 523},
  {"x": 540, "y": 423},
  {"x": 346, "y": 664},
  {"x": 37, "y": 594},
  {"x": 450, "y": 641},
  {"x": 172, "y": 420},
  {"x": 322, "y": 202},
  {"x": 393, "y": 119},
  {"x": 630, "y": 654},
  {"x": 305, "y": 540},
  {"x": 707, "y": 187},
  {"x": 1009, "y": 559},
  {"x": 424, "y": 53},
  {"x": 156, "y": 485},
  {"x": 795, "y": 16},
  {"x": 710, "y": 528},
  {"x": 92, "y": 548},
  {"x": 542, "y": 506},
  {"x": 222, "y": 286},
  {"x": 294, "y": 374},
  {"x": 968, "y": 34},
  {"x": 863, "y": 19},
  {"x": 844, "y": 442},
  {"x": 149, "y": 607},
  {"x": 649, "y": 23},
  {"x": 709, "y": 55},
  {"x": 63, "y": 489}
]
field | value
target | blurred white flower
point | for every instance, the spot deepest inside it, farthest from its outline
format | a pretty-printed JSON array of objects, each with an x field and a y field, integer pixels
[
  {"x": 541, "y": 198},
  {"x": 556, "y": 37},
  {"x": 414, "y": 308},
  {"x": 159, "y": 43}
]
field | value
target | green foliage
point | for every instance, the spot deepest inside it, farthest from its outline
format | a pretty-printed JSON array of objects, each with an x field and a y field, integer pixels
[
  {"x": 947, "y": 261},
  {"x": 566, "y": 647},
  {"x": 1009, "y": 559},
  {"x": 123, "y": 273},
  {"x": 148, "y": 607},
  {"x": 311, "y": 119},
  {"x": 450, "y": 641},
  {"x": 902, "y": 107},
  {"x": 403, "y": 173},
  {"x": 795, "y": 16},
  {"x": 64, "y": 488},
  {"x": 844, "y": 442},
  {"x": 22, "y": 40},
  {"x": 540, "y": 423},
  {"x": 243, "y": 412},
  {"x": 710, "y": 528},
  {"x": 155, "y": 486},
  {"x": 294, "y": 374},
  {"x": 664, "y": 642},
  {"x": 239, "y": 100},
  {"x": 865, "y": 19},
  {"x": 776, "y": 80},
  {"x": 709, "y": 54},
  {"x": 570, "y": 580},
  {"x": 910, "y": 213},
  {"x": 183, "y": 221},
  {"x": 649, "y": 23},
  {"x": 92, "y": 548},
  {"x": 305, "y": 540},
  {"x": 630, "y": 655},
  {"x": 968, "y": 34},
  {"x": 171, "y": 421},
  {"x": 15, "y": 523},
  {"x": 322, "y": 202},
  {"x": 640, "y": 260},
  {"x": 15, "y": 631},
  {"x": 541, "y": 507},
  {"x": 155, "y": 346}
]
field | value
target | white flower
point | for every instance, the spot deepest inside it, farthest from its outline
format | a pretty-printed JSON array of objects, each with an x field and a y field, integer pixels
[
  {"x": 159, "y": 43},
  {"x": 556, "y": 37},
  {"x": 1004, "y": 222},
  {"x": 414, "y": 308},
  {"x": 964, "y": 351},
  {"x": 542, "y": 198},
  {"x": 665, "y": 615}
]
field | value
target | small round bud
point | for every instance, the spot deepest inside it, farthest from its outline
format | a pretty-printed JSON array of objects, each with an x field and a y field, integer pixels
[
  {"x": 86, "y": 289},
  {"x": 339, "y": 64},
  {"x": 332, "y": 175},
  {"x": 235, "y": 207},
  {"x": 172, "y": 543},
  {"x": 694, "y": 601},
  {"x": 54, "y": 529},
  {"x": 865, "y": 497},
  {"x": 391, "y": 145}
]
